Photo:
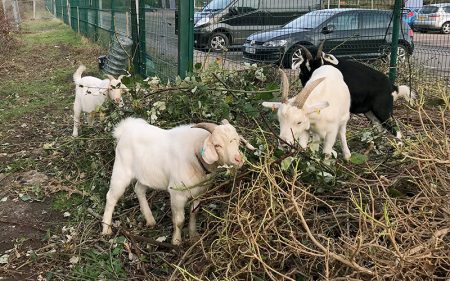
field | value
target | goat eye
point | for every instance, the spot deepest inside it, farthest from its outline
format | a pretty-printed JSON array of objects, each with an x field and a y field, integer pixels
[{"x": 298, "y": 123}]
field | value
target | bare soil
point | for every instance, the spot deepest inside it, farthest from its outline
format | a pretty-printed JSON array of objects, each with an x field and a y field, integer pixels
[{"x": 35, "y": 109}]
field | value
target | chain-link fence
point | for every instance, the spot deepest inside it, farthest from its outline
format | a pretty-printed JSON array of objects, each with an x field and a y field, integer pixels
[
  {"x": 271, "y": 31},
  {"x": 233, "y": 32}
]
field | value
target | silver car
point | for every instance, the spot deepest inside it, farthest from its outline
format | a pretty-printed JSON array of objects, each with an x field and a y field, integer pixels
[{"x": 434, "y": 17}]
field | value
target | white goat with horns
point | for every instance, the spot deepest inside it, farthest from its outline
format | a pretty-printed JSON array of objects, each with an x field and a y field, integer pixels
[
  {"x": 322, "y": 108},
  {"x": 91, "y": 92},
  {"x": 179, "y": 160}
]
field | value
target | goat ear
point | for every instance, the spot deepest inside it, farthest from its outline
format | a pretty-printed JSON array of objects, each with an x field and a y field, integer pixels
[
  {"x": 120, "y": 77},
  {"x": 209, "y": 153},
  {"x": 330, "y": 58},
  {"x": 273, "y": 105},
  {"x": 316, "y": 108},
  {"x": 110, "y": 77}
]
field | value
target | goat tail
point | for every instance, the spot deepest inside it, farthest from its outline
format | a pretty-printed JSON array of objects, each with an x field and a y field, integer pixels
[
  {"x": 405, "y": 92},
  {"x": 125, "y": 124},
  {"x": 77, "y": 74}
]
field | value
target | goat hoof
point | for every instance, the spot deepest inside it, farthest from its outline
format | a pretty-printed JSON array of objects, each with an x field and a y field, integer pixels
[
  {"x": 176, "y": 242},
  {"x": 151, "y": 224}
]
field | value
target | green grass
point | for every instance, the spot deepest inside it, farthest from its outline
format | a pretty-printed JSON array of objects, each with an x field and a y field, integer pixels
[{"x": 45, "y": 60}]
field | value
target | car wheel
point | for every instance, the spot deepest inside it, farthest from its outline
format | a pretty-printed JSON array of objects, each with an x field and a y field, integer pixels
[
  {"x": 402, "y": 54},
  {"x": 446, "y": 28},
  {"x": 219, "y": 42},
  {"x": 294, "y": 57}
]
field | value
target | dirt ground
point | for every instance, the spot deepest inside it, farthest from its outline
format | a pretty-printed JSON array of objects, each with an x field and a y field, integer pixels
[{"x": 35, "y": 109}]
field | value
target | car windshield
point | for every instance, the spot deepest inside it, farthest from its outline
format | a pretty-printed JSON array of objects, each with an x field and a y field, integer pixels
[
  {"x": 309, "y": 21},
  {"x": 217, "y": 5},
  {"x": 429, "y": 9}
]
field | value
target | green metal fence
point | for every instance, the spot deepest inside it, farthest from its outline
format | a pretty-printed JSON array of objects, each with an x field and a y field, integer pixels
[{"x": 171, "y": 35}]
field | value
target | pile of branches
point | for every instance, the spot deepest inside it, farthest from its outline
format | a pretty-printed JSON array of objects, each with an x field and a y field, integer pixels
[{"x": 388, "y": 218}]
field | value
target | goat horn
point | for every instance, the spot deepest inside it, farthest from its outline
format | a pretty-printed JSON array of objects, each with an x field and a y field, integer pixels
[
  {"x": 308, "y": 54},
  {"x": 320, "y": 50},
  {"x": 284, "y": 86},
  {"x": 120, "y": 77},
  {"x": 304, "y": 94},
  {"x": 207, "y": 126}
]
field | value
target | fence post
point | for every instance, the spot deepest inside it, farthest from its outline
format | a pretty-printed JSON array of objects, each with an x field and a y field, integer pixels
[
  {"x": 69, "y": 14},
  {"x": 78, "y": 19},
  {"x": 135, "y": 35},
  {"x": 34, "y": 9},
  {"x": 4, "y": 7},
  {"x": 185, "y": 37},
  {"x": 142, "y": 45},
  {"x": 394, "y": 42}
]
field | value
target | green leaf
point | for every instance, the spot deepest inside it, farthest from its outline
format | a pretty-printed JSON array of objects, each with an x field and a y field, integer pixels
[
  {"x": 264, "y": 96},
  {"x": 358, "y": 158},
  {"x": 286, "y": 163},
  {"x": 198, "y": 66},
  {"x": 24, "y": 197}
]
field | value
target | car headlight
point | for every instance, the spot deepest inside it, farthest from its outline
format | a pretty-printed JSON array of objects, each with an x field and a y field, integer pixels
[
  {"x": 275, "y": 43},
  {"x": 202, "y": 22}
]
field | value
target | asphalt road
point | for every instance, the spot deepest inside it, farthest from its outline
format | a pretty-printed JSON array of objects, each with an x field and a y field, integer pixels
[{"x": 432, "y": 50}]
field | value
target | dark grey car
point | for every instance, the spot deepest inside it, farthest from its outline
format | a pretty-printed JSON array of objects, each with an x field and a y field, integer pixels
[{"x": 355, "y": 33}]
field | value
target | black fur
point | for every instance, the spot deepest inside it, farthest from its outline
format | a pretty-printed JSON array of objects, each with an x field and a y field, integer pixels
[{"x": 370, "y": 89}]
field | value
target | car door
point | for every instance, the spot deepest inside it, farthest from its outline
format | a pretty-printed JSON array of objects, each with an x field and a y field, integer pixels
[
  {"x": 373, "y": 32},
  {"x": 244, "y": 18},
  {"x": 341, "y": 33}
]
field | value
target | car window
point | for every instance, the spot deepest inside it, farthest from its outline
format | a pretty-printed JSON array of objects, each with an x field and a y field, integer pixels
[
  {"x": 310, "y": 20},
  {"x": 447, "y": 9},
  {"x": 429, "y": 9},
  {"x": 375, "y": 20},
  {"x": 347, "y": 21},
  {"x": 250, "y": 4},
  {"x": 216, "y": 5}
]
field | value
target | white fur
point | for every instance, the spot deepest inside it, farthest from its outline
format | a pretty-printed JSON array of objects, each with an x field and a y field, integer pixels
[
  {"x": 91, "y": 92},
  {"x": 406, "y": 93},
  {"x": 168, "y": 160},
  {"x": 325, "y": 113}
]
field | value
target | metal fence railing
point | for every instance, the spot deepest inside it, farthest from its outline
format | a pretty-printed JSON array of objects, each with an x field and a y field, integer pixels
[{"x": 169, "y": 38}]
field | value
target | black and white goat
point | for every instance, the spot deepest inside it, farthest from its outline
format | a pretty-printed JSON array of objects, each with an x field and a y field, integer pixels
[{"x": 372, "y": 93}]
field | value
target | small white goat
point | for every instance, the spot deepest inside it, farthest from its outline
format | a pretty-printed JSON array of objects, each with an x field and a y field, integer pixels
[
  {"x": 322, "y": 108},
  {"x": 178, "y": 160},
  {"x": 91, "y": 92}
]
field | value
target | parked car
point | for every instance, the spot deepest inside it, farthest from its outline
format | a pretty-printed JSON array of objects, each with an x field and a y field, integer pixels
[
  {"x": 223, "y": 23},
  {"x": 434, "y": 17},
  {"x": 355, "y": 33}
]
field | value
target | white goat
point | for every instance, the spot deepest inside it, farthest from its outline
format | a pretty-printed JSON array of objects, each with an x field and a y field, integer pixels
[
  {"x": 178, "y": 160},
  {"x": 322, "y": 108},
  {"x": 91, "y": 92}
]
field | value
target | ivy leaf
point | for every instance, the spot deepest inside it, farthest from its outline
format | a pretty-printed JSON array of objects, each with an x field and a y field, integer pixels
[
  {"x": 264, "y": 96},
  {"x": 24, "y": 197},
  {"x": 358, "y": 158},
  {"x": 286, "y": 163}
]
